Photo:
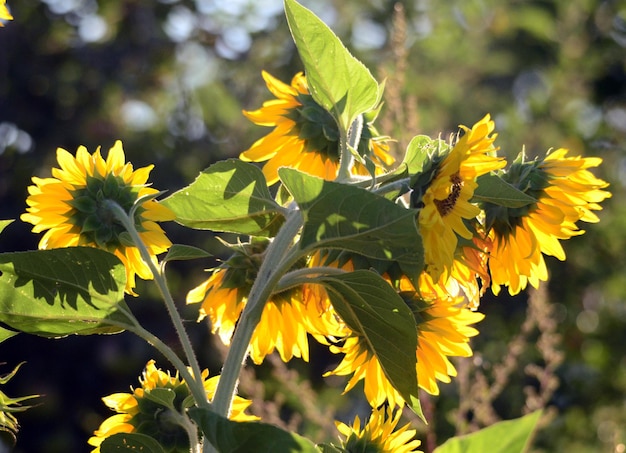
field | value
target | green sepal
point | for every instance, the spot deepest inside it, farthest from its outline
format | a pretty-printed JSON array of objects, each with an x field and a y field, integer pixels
[
  {"x": 419, "y": 166},
  {"x": 9, "y": 425},
  {"x": 230, "y": 196},
  {"x": 162, "y": 396},
  {"x": 58, "y": 292},
  {"x": 132, "y": 442},
  {"x": 228, "y": 436},
  {"x": 510, "y": 436},
  {"x": 340, "y": 216},
  {"x": 374, "y": 310},
  {"x": 337, "y": 81}
]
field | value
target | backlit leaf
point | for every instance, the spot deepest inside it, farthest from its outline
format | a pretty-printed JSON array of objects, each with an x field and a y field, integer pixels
[
  {"x": 373, "y": 309},
  {"x": 338, "y": 82},
  {"x": 229, "y": 196},
  {"x": 62, "y": 291},
  {"x": 340, "y": 216},
  {"x": 510, "y": 436}
]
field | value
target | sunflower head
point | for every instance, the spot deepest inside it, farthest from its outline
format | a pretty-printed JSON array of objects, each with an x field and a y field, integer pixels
[
  {"x": 155, "y": 409},
  {"x": 306, "y": 135},
  {"x": 443, "y": 330},
  {"x": 379, "y": 434},
  {"x": 73, "y": 207},
  {"x": 288, "y": 316},
  {"x": 223, "y": 295},
  {"x": 565, "y": 191},
  {"x": 443, "y": 193}
]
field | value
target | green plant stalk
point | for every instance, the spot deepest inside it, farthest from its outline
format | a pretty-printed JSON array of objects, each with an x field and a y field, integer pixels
[
  {"x": 195, "y": 385},
  {"x": 348, "y": 139},
  {"x": 302, "y": 276},
  {"x": 164, "y": 349},
  {"x": 270, "y": 272}
]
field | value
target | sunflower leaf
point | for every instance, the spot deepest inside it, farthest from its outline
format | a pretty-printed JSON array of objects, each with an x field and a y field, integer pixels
[
  {"x": 58, "y": 292},
  {"x": 130, "y": 442},
  {"x": 338, "y": 82},
  {"x": 493, "y": 189},
  {"x": 330, "y": 448},
  {"x": 230, "y": 196},
  {"x": 502, "y": 437},
  {"x": 242, "y": 437},
  {"x": 373, "y": 310},
  {"x": 182, "y": 252},
  {"x": 340, "y": 216},
  {"x": 5, "y": 334},
  {"x": 4, "y": 224}
]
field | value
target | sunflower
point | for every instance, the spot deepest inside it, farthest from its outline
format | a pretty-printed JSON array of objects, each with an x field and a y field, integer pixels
[
  {"x": 565, "y": 192},
  {"x": 469, "y": 275},
  {"x": 443, "y": 329},
  {"x": 378, "y": 435},
  {"x": 305, "y": 135},
  {"x": 139, "y": 412},
  {"x": 71, "y": 207},
  {"x": 4, "y": 12},
  {"x": 287, "y": 317},
  {"x": 445, "y": 205}
]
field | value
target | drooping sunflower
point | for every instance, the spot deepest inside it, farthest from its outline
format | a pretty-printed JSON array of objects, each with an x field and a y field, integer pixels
[
  {"x": 71, "y": 207},
  {"x": 565, "y": 192},
  {"x": 443, "y": 328},
  {"x": 4, "y": 12},
  {"x": 137, "y": 412},
  {"x": 305, "y": 135},
  {"x": 469, "y": 275},
  {"x": 445, "y": 205},
  {"x": 379, "y": 434},
  {"x": 287, "y": 317}
]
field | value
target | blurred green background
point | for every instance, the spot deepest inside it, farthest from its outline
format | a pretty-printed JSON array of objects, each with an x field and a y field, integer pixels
[{"x": 170, "y": 79}]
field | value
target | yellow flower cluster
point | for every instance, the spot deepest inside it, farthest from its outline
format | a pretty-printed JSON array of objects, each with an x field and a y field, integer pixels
[
  {"x": 470, "y": 244},
  {"x": 466, "y": 247}
]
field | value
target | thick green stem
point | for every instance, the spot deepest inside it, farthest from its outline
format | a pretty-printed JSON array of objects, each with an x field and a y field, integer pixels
[
  {"x": 195, "y": 385},
  {"x": 273, "y": 267},
  {"x": 348, "y": 139},
  {"x": 164, "y": 349},
  {"x": 303, "y": 276}
]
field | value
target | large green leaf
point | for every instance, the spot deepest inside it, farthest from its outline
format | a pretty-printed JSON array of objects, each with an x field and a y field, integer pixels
[
  {"x": 337, "y": 81},
  {"x": 228, "y": 436},
  {"x": 510, "y": 436},
  {"x": 62, "y": 291},
  {"x": 493, "y": 189},
  {"x": 340, "y": 216},
  {"x": 229, "y": 196},
  {"x": 133, "y": 442},
  {"x": 373, "y": 309}
]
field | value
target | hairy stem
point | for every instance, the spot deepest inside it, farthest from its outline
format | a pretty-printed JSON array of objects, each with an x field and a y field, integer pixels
[
  {"x": 271, "y": 270},
  {"x": 195, "y": 384},
  {"x": 348, "y": 139}
]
